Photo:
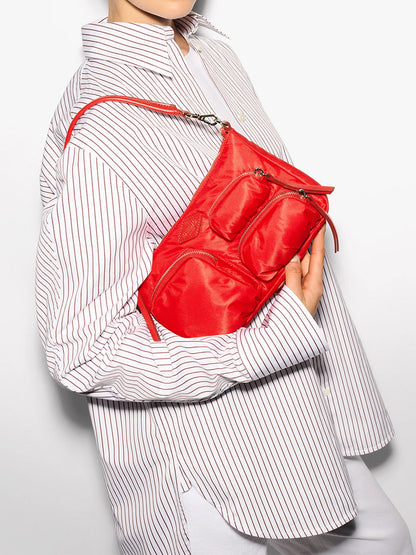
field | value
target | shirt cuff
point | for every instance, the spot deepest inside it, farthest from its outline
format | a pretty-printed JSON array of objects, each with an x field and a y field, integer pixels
[{"x": 289, "y": 336}]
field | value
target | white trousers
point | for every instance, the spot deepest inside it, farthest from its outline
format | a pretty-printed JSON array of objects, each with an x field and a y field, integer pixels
[{"x": 378, "y": 528}]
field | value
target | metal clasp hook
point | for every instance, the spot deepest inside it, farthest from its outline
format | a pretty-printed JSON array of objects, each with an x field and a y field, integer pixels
[{"x": 206, "y": 118}]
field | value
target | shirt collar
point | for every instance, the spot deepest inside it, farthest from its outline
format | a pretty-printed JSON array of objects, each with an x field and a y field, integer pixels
[{"x": 141, "y": 44}]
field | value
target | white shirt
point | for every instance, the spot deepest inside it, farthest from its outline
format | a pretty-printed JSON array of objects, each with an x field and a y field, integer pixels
[{"x": 258, "y": 420}]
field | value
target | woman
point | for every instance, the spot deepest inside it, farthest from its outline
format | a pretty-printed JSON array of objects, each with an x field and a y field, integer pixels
[{"x": 215, "y": 444}]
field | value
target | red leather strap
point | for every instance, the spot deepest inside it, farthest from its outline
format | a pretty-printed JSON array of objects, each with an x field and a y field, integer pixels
[
  {"x": 170, "y": 109},
  {"x": 329, "y": 221},
  {"x": 318, "y": 190},
  {"x": 149, "y": 320}
]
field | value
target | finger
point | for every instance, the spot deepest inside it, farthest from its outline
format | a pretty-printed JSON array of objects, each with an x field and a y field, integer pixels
[
  {"x": 320, "y": 233},
  {"x": 305, "y": 264},
  {"x": 316, "y": 261},
  {"x": 319, "y": 242},
  {"x": 293, "y": 273}
]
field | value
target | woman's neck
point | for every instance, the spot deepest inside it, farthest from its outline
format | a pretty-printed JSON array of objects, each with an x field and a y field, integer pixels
[{"x": 123, "y": 11}]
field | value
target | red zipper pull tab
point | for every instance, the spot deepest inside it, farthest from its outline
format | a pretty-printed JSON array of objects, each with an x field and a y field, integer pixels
[
  {"x": 325, "y": 215},
  {"x": 148, "y": 319},
  {"x": 313, "y": 190}
]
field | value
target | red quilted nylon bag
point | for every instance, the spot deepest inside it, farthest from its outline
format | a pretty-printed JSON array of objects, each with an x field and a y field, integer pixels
[{"x": 226, "y": 255}]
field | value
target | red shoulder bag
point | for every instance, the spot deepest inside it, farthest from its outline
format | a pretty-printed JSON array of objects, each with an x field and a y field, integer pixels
[{"x": 226, "y": 254}]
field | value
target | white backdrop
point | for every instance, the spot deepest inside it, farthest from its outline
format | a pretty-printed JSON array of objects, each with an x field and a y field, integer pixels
[{"x": 336, "y": 77}]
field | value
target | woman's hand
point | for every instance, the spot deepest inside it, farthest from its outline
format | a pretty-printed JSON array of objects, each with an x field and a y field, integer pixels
[{"x": 304, "y": 277}]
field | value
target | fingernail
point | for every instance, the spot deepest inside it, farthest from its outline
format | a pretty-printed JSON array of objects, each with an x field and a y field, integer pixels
[{"x": 295, "y": 258}]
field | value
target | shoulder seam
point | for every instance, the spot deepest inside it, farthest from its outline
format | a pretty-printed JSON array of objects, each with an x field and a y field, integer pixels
[{"x": 106, "y": 165}]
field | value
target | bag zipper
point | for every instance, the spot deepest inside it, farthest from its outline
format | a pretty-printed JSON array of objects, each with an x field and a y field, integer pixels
[
  {"x": 301, "y": 191},
  {"x": 184, "y": 255},
  {"x": 273, "y": 199},
  {"x": 257, "y": 172},
  {"x": 200, "y": 254},
  {"x": 319, "y": 190},
  {"x": 303, "y": 194}
]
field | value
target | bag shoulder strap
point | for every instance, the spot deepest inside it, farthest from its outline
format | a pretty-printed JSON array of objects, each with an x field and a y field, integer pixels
[{"x": 169, "y": 109}]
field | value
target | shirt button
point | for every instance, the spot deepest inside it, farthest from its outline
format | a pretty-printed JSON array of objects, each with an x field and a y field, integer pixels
[
  {"x": 197, "y": 48},
  {"x": 326, "y": 391},
  {"x": 242, "y": 117},
  {"x": 195, "y": 29}
]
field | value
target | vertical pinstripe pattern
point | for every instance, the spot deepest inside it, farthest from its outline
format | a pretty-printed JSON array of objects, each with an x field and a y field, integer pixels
[{"x": 241, "y": 417}]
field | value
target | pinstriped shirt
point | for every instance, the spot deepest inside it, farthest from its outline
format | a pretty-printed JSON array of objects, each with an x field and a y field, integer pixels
[{"x": 257, "y": 420}]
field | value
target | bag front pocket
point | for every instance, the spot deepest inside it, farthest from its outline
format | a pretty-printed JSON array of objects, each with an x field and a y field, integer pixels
[
  {"x": 277, "y": 234},
  {"x": 200, "y": 294},
  {"x": 238, "y": 203}
]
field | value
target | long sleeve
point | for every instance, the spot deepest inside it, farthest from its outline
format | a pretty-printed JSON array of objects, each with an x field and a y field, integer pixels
[{"x": 93, "y": 254}]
